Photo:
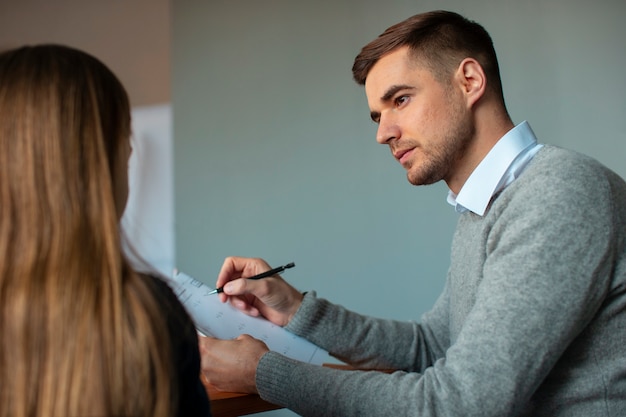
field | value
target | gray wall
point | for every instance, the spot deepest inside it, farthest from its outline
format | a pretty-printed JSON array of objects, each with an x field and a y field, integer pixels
[{"x": 275, "y": 154}]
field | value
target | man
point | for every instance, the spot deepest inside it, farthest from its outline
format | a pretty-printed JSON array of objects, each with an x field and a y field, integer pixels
[{"x": 532, "y": 319}]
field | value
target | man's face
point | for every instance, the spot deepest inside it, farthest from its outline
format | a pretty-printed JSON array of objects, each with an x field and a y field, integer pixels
[{"x": 426, "y": 124}]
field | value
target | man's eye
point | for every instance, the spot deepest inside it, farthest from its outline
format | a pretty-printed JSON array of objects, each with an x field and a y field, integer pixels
[{"x": 401, "y": 100}]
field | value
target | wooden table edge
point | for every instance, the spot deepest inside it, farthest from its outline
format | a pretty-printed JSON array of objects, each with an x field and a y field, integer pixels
[{"x": 234, "y": 404}]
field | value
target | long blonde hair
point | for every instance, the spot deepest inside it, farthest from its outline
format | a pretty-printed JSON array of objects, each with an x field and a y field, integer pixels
[{"x": 80, "y": 332}]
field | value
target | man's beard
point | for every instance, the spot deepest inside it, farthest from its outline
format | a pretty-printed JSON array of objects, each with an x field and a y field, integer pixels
[{"x": 440, "y": 160}]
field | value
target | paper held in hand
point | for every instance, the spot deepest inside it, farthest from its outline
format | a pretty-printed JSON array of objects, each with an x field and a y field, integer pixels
[{"x": 223, "y": 321}]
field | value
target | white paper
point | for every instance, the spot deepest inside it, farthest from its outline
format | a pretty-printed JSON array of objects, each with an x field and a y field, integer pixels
[{"x": 223, "y": 321}]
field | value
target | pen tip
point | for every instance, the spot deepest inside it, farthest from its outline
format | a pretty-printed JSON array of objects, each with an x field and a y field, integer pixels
[{"x": 290, "y": 265}]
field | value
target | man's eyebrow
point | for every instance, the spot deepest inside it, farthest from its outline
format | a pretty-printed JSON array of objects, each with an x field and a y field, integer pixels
[
  {"x": 388, "y": 96},
  {"x": 391, "y": 91}
]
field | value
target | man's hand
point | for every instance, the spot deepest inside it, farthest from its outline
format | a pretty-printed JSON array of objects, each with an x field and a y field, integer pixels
[
  {"x": 230, "y": 365},
  {"x": 272, "y": 297}
]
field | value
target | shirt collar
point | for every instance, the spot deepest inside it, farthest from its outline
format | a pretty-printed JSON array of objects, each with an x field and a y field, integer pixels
[{"x": 490, "y": 176}]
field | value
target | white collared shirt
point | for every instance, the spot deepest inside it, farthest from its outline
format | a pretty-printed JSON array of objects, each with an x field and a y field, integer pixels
[{"x": 504, "y": 162}]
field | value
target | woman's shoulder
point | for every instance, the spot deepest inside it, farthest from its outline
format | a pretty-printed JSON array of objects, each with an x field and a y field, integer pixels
[
  {"x": 193, "y": 400},
  {"x": 165, "y": 295}
]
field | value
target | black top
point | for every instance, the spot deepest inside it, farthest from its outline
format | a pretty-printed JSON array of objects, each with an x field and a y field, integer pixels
[{"x": 193, "y": 398}]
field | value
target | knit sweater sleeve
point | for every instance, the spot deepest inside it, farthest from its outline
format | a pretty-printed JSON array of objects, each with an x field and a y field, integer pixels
[
  {"x": 365, "y": 343},
  {"x": 371, "y": 343},
  {"x": 525, "y": 283}
]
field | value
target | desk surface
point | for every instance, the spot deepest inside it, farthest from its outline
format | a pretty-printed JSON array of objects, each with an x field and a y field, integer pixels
[{"x": 233, "y": 404}]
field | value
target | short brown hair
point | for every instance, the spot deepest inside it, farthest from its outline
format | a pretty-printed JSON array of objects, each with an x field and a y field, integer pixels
[{"x": 440, "y": 39}]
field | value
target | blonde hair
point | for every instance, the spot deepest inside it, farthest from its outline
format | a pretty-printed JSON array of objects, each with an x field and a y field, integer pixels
[{"x": 81, "y": 333}]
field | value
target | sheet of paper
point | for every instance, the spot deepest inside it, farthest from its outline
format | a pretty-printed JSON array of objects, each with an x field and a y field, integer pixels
[{"x": 223, "y": 321}]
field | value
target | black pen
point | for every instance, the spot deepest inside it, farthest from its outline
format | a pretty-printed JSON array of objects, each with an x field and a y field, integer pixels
[{"x": 261, "y": 275}]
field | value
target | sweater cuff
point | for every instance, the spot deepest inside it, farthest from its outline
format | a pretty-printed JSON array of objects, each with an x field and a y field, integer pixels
[
  {"x": 271, "y": 373},
  {"x": 300, "y": 321}
]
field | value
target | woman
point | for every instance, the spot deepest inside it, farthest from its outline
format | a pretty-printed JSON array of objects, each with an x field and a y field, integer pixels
[{"x": 81, "y": 332}]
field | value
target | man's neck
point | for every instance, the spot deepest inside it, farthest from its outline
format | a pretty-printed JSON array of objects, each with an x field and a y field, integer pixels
[{"x": 491, "y": 124}]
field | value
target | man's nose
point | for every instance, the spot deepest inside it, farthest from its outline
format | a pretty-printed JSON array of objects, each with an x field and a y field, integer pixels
[{"x": 387, "y": 130}]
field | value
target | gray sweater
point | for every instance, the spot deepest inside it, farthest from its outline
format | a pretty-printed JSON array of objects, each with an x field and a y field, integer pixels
[{"x": 531, "y": 322}]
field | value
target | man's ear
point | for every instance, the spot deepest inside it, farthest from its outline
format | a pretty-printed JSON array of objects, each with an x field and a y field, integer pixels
[{"x": 471, "y": 79}]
